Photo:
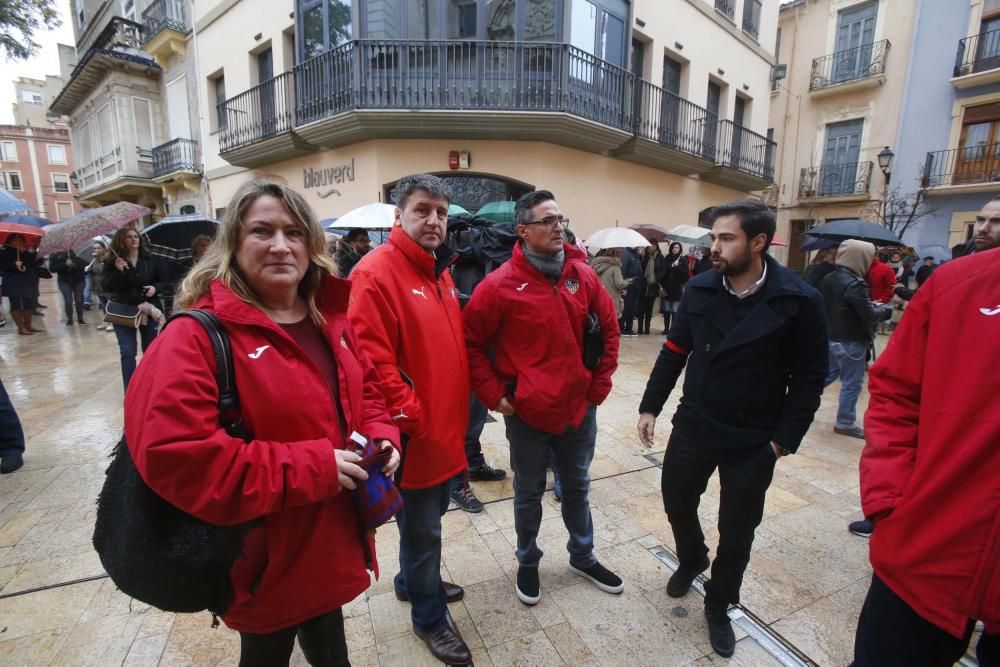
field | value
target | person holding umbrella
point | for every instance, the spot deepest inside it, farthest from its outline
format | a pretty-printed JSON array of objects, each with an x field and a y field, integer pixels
[
  {"x": 675, "y": 276},
  {"x": 72, "y": 272},
  {"x": 21, "y": 268}
]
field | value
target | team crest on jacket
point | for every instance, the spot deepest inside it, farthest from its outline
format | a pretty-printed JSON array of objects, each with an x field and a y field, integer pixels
[{"x": 572, "y": 285}]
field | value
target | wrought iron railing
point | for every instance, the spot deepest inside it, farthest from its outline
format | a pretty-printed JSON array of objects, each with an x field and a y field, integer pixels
[
  {"x": 727, "y": 8},
  {"x": 978, "y": 53},
  {"x": 745, "y": 150},
  {"x": 849, "y": 65},
  {"x": 163, "y": 15},
  {"x": 833, "y": 180},
  {"x": 751, "y": 17},
  {"x": 177, "y": 155},
  {"x": 264, "y": 111},
  {"x": 671, "y": 120},
  {"x": 962, "y": 166}
]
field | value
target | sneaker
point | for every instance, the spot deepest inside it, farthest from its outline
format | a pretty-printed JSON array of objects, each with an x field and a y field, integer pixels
[
  {"x": 861, "y": 528},
  {"x": 463, "y": 496},
  {"x": 720, "y": 630},
  {"x": 557, "y": 487},
  {"x": 527, "y": 585},
  {"x": 601, "y": 577},
  {"x": 852, "y": 432},
  {"x": 680, "y": 581},
  {"x": 11, "y": 463},
  {"x": 486, "y": 473}
]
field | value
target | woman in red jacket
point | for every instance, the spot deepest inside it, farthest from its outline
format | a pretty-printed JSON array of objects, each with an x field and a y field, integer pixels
[{"x": 304, "y": 385}]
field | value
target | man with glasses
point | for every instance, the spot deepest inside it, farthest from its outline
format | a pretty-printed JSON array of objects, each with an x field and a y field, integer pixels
[{"x": 532, "y": 313}]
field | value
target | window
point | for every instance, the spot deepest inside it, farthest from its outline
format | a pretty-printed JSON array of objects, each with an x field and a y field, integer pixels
[
  {"x": 219, "y": 212},
  {"x": 978, "y": 158},
  {"x": 326, "y": 24},
  {"x": 85, "y": 144},
  {"x": 64, "y": 210},
  {"x": 60, "y": 182},
  {"x": 31, "y": 97},
  {"x": 107, "y": 138},
  {"x": 217, "y": 88},
  {"x": 81, "y": 12},
  {"x": 12, "y": 180},
  {"x": 501, "y": 18},
  {"x": 57, "y": 154},
  {"x": 142, "y": 114},
  {"x": 8, "y": 151},
  {"x": 597, "y": 31},
  {"x": 461, "y": 20},
  {"x": 188, "y": 209}
]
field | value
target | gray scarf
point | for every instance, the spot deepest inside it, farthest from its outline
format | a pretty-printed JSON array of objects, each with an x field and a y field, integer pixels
[{"x": 550, "y": 266}]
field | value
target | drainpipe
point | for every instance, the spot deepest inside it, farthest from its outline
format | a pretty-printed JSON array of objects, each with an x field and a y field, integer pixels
[{"x": 202, "y": 137}]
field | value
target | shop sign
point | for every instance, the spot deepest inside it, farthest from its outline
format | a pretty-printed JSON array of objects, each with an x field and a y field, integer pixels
[{"x": 317, "y": 178}]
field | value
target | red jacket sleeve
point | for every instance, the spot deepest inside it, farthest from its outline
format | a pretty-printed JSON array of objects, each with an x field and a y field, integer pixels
[
  {"x": 481, "y": 319},
  {"x": 378, "y": 329},
  {"x": 375, "y": 421},
  {"x": 171, "y": 423},
  {"x": 601, "y": 304},
  {"x": 891, "y": 421}
]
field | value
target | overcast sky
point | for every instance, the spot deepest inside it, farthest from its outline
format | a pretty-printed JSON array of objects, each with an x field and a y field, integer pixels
[{"x": 45, "y": 62}]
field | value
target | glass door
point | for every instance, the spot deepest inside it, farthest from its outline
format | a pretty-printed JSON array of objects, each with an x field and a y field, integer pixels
[{"x": 855, "y": 35}]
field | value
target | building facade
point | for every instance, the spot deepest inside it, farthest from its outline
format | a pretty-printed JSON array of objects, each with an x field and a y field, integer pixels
[
  {"x": 32, "y": 98},
  {"x": 132, "y": 104},
  {"x": 35, "y": 166},
  {"x": 631, "y": 112}
]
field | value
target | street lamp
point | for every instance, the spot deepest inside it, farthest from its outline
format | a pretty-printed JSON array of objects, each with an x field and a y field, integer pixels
[{"x": 885, "y": 164}]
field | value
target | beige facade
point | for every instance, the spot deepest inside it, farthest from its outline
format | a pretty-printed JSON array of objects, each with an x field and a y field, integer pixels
[
  {"x": 32, "y": 98},
  {"x": 836, "y": 109},
  {"x": 35, "y": 166}
]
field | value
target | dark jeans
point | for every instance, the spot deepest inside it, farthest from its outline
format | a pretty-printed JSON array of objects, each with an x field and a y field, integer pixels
[
  {"x": 646, "y": 312},
  {"x": 631, "y": 305},
  {"x": 127, "y": 346},
  {"x": 473, "y": 448},
  {"x": 571, "y": 454},
  {"x": 744, "y": 475},
  {"x": 72, "y": 294},
  {"x": 419, "y": 524},
  {"x": 11, "y": 433},
  {"x": 891, "y": 634},
  {"x": 322, "y": 640}
]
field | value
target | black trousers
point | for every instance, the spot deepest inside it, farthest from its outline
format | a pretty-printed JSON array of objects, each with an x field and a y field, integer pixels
[
  {"x": 646, "y": 312},
  {"x": 631, "y": 306},
  {"x": 744, "y": 475},
  {"x": 322, "y": 640},
  {"x": 891, "y": 634}
]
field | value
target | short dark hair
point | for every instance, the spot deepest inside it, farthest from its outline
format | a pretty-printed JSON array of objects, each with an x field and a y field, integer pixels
[
  {"x": 928, "y": 257},
  {"x": 355, "y": 234},
  {"x": 522, "y": 209},
  {"x": 432, "y": 185},
  {"x": 755, "y": 217}
]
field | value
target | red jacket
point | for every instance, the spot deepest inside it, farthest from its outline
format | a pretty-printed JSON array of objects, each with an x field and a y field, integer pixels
[
  {"x": 932, "y": 460},
  {"x": 306, "y": 557},
  {"x": 405, "y": 309},
  {"x": 882, "y": 279},
  {"x": 535, "y": 331}
]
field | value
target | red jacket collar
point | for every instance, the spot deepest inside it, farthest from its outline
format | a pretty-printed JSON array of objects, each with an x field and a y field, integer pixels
[
  {"x": 430, "y": 265},
  {"x": 332, "y": 299},
  {"x": 573, "y": 256}
]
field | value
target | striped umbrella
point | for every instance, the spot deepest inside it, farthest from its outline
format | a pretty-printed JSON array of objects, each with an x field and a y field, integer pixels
[{"x": 92, "y": 222}]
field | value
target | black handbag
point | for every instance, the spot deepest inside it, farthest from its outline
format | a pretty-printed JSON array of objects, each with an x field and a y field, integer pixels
[
  {"x": 593, "y": 342},
  {"x": 155, "y": 552}
]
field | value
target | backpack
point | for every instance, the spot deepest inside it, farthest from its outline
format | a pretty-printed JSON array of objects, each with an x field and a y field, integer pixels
[{"x": 482, "y": 246}]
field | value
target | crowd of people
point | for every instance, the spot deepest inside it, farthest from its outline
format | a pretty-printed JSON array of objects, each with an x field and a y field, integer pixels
[{"x": 393, "y": 356}]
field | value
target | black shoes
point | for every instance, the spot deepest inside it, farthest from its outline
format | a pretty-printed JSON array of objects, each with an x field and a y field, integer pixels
[
  {"x": 861, "y": 528},
  {"x": 463, "y": 496},
  {"x": 486, "y": 473},
  {"x": 445, "y": 642},
  {"x": 720, "y": 630},
  {"x": 681, "y": 580},
  {"x": 853, "y": 432},
  {"x": 601, "y": 577},
  {"x": 527, "y": 585},
  {"x": 453, "y": 592},
  {"x": 11, "y": 462}
]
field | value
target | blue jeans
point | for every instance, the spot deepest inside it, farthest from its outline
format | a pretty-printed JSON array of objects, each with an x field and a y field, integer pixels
[
  {"x": 88, "y": 284},
  {"x": 72, "y": 294},
  {"x": 473, "y": 448},
  {"x": 11, "y": 434},
  {"x": 572, "y": 452},
  {"x": 847, "y": 361},
  {"x": 127, "y": 346},
  {"x": 419, "y": 524}
]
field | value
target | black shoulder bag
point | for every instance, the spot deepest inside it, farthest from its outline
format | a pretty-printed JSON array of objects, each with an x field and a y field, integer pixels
[
  {"x": 593, "y": 341},
  {"x": 155, "y": 552}
]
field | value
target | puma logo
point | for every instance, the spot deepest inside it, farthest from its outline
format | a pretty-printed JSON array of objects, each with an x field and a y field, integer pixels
[
  {"x": 521, "y": 288},
  {"x": 256, "y": 354},
  {"x": 419, "y": 292},
  {"x": 990, "y": 312}
]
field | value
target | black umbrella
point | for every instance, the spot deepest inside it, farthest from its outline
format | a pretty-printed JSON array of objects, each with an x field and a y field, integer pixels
[
  {"x": 861, "y": 230},
  {"x": 177, "y": 231}
]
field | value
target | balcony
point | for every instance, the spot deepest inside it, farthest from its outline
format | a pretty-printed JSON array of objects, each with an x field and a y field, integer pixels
[
  {"x": 751, "y": 18},
  {"x": 831, "y": 183},
  {"x": 853, "y": 69},
  {"x": 179, "y": 158},
  {"x": 526, "y": 91},
  {"x": 978, "y": 60},
  {"x": 744, "y": 159},
  {"x": 727, "y": 8},
  {"x": 164, "y": 30},
  {"x": 960, "y": 170}
]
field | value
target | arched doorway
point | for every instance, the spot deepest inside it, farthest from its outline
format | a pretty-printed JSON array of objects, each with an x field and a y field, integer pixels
[{"x": 473, "y": 191}]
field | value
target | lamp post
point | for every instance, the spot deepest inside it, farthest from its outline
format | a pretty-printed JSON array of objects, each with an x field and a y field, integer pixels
[{"x": 885, "y": 164}]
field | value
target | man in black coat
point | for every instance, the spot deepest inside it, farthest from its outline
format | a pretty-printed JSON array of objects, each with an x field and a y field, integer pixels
[{"x": 753, "y": 337}]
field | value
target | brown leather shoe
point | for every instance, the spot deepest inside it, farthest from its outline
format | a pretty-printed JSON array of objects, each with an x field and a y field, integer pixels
[
  {"x": 445, "y": 642},
  {"x": 453, "y": 592}
]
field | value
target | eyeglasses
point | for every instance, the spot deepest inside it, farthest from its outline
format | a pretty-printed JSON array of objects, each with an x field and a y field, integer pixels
[{"x": 551, "y": 222}]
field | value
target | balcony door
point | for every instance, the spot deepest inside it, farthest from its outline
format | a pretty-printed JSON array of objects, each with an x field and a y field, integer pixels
[
  {"x": 712, "y": 103},
  {"x": 855, "y": 36},
  {"x": 671, "y": 110},
  {"x": 840, "y": 158},
  {"x": 268, "y": 106},
  {"x": 988, "y": 45},
  {"x": 978, "y": 158}
]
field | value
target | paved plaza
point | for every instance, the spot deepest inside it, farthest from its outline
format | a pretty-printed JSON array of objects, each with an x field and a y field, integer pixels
[{"x": 805, "y": 584}]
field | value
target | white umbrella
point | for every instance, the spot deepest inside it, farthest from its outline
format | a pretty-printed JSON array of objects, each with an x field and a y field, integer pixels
[
  {"x": 370, "y": 216},
  {"x": 616, "y": 237},
  {"x": 690, "y": 234}
]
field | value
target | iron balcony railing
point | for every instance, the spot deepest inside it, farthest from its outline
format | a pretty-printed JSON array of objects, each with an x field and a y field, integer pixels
[
  {"x": 745, "y": 150},
  {"x": 177, "y": 155},
  {"x": 978, "y": 53},
  {"x": 962, "y": 166},
  {"x": 264, "y": 111},
  {"x": 751, "y": 17},
  {"x": 163, "y": 15},
  {"x": 849, "y": 65},
  {"x": 727, "y": 8},
  {"x": 671, "y": 120},
  {"x": 834, "y": 180}
]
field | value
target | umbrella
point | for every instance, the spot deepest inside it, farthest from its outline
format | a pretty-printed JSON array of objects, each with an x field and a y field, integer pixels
[
  {"x": 177, "y": 231},
  {"x": 327, "y": 223},
  {"x": 455, "y": 209},
  {"x": 777, "y": 240},
  {"x": 497, "y": 211},
  {"x": 32, "y": 235},
  {"x": 92, "y": 222},
  {"x": 370, "y": 216},
  {"x": 616, "y": 237},
  {"x": 698, "y": 236},
  {"x": 816, "y": 244},
  {"x": 9, "y": 204},
  {"x": 852, "y": 228},
  {"x": 32, "y": 220},
  {"x": 85, "y": 250},
  {"x": 650, "y": 232}
]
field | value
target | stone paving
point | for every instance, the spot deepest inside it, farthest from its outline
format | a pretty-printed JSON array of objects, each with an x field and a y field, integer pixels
[{"x": 806, "y": 580}]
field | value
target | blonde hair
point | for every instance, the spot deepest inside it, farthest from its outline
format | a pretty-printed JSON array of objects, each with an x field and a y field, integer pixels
[{"x": 219, "y": 261}]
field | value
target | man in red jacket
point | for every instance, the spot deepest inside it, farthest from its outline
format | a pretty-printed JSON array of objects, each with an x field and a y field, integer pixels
[
  {"x": 405, "y": 310},
  {"x": 930, "y": 475},
  {"x": 532, "y": 312},
  {"x": 882, "y": 280}
]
